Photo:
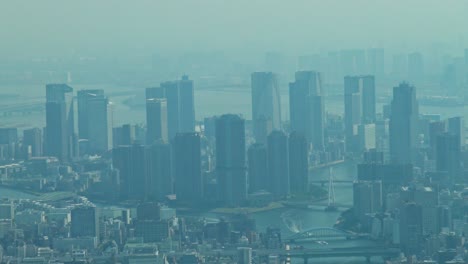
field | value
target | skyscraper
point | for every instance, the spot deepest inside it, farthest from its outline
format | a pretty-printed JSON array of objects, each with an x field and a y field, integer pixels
[
  {"x": 128, "y": 134},
  {"x": 428, "y": 199},
  {"x": 32, "y": 138},
  {"x": 352, "y": 61},
  {"x": 171, "y": 93},
  {"x": 382, "y": 137},
  {"x": 368, "y": 98},
  {"x": 266, "y": 104},
  {"x": 353, "y": 111},
  {"x": 367, "y": 137},
  {"x": 376, "y": 61},
  {"x": 436, "y": 129},
  {"x": 307, "y": 113},
  {"x": 180, "y": 104},
  {"x": 83, "y": 97},
  {"x": 131, "y": 162},
  {"x": 159, "y": 166},
  {"x": 148, "y": 211},
  {"x": 84, "y": 222},
  {"x": 60, "y": 127},
  {"x": 359, "y": 106},
  {"x": 317, "y": 122},
  {"x": 456, "y": 126},
  {"x": 244, "y": 255},
  {"x": 403, "y": 124},
  {"x": 156, "y": 120},
  {"x": 154, "y": 92},
  {"x": 123, "y": 135},
  {"x": 8, "y": 135},
  {"x": 298, "y": 163},
  {"x": 186, "y": 104},
  {"x": 411, "y": 227},
  {"x": 230, "y": 159},
  {"x": 278, "y": 164},
  {"x": 258, "y": 167},
  {"x": 145, "y": 171},
  {"x": 100, "y": 122},
  {"x": 448, "y": 155},
  {"x": 262, "y": 127},
  {"x": 187, "y": 167},
  {"x": 367, "y": 199},
  {"x": 209, "y": 125}
]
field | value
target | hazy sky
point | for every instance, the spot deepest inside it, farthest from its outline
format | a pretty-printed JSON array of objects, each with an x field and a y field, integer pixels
[{"x": 48, "y": 27}]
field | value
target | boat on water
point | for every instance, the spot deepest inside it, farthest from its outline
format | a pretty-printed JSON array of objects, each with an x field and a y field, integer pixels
[{"x": 292, "y": 222}]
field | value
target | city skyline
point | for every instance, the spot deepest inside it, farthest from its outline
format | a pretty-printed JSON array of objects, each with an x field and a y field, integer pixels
[{"x": 234, "y": 132}]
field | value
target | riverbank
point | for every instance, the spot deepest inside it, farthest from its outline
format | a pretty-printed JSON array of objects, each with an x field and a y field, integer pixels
[
  {"x": 14, "y": 193},
  {"x": 20, "y": 190},
  {"x": 331, "y": 163},
  {"x": 248, "y": 210},
  {"x": 347, "y": 221}
]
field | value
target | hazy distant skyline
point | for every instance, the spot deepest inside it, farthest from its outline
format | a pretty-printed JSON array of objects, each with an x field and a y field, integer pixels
[{"x": 110, "y": 27}]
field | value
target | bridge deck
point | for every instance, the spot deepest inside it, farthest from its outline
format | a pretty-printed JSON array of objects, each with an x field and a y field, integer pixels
[{"x": 312, "y": 253}]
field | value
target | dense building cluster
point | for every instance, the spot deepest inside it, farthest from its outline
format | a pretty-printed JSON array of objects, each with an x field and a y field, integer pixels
[{"x": 156, "y": 188}]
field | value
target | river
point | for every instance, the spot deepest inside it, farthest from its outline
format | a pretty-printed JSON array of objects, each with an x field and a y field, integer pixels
[
  {"x": 293, "y": 220},
  {"x": 308, "y": 219},
  {"x": 211, "y": 102},
  {"x": 208, "y": 102},
  {"x": 6, "y": 193}
]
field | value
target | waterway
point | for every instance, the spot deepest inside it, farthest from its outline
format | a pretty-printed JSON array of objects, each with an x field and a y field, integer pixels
[
  {"x": 216, "y": 102},
  {"x": 6, "y": 193},
  {"x": 208, "y": 102},
  {"x": 290, "y": 220}
]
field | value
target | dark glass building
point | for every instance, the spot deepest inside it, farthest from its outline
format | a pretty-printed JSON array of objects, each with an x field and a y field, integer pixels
[{"x": 230, "y": 159}]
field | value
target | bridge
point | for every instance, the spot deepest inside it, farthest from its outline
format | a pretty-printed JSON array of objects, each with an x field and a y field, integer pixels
[
  {"x": 323, "y": 204},
  {"x": 321, "y": 234},
  {"x": 367, "y": 253},
  {"x": 286, "y": 255},
  {"x": 323, "y": 182},
  {"x": 319, "y": 205}
]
